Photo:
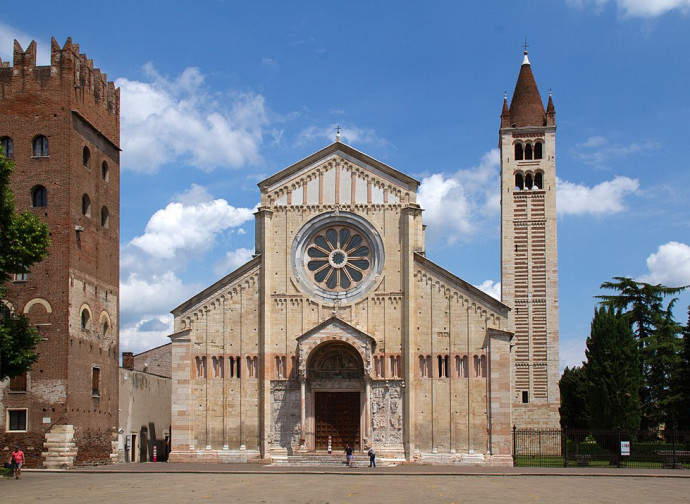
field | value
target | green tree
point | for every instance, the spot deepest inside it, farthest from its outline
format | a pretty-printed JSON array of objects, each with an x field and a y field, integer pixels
[
  {"x": 613, "y": 372},
  {"x": 23, "y": 242},
  {"x": 657, "y": 337},
  {"x": 574, "y": 408}
]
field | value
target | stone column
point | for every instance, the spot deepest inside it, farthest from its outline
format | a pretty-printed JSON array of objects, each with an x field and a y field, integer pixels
[
  {"x": 303, "y": 413},
  {"x": 367, "y": 410}
]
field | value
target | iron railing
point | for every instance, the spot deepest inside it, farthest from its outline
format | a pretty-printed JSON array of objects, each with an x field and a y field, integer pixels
[{"x": 663, "y": 448}]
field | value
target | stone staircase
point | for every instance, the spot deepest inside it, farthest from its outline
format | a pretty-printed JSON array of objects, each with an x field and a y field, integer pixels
[{"x": 323, "y": 459}]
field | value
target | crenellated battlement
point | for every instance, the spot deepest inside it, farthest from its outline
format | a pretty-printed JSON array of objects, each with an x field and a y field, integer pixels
[{"x": 70, "y": 72}]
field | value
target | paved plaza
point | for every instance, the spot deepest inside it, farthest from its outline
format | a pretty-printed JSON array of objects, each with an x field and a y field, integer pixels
[{"x": 175, "y": 483}]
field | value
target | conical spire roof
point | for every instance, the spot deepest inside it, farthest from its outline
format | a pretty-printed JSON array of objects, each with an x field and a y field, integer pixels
[{"x": 526, "y": 107}]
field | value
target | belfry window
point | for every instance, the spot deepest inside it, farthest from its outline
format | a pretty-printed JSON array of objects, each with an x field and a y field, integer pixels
[
  {"x": 538, "y": 180},
  {"x": 518, "y": 152},
  {"x": 40, "y": 146},
  {"x": 39, "y": 196},
  {"x": 528, "y": 151},
  {"x": 528, "y": 181},
  {"x": 537, "y": 150},
  {"x": 519, "y": 182}
]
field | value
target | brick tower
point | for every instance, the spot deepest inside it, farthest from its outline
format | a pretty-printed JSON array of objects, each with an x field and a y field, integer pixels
[
  {"x": 529, "y": 257},
  {"x": 61, "y": 126}
]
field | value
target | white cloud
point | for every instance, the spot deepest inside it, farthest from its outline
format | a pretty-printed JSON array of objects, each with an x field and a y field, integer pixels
[
  {"x": 181, "y": 232},
  {"x": 232, "y": 260},
  {"x": 571, "y": 352},
  {"x": 189, "y": 229},
  {"x": 491, "y": 288},
  {"x": 600, "y": 151},
  {"x": 172, "y": 120},
  {"x": 139, "y": 337},
  {"x": 154, "y": 294},
  {"x": 8, "y": 34},
  {"x": 604, "y": 198},
  {"x": 669, "y": 266},
  {"x": 637, "y": 8},
  {"x": 455, "y": 205}
]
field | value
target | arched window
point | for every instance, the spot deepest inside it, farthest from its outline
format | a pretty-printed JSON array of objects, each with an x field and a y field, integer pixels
[
  {"x": 537, "y": 150},
  {"x": 106, "y": 326},
  {"x": 105, "y": 172},
  {"x": 86, "y": 157},
  {"x": 39, "y": 196},
  {"x": 519, "y": 182},
  {"x": 539, "y": 180},
  {"x": 518, "y": 152},
  {"x": 105, "y": 217},
  {"x": 85, "y": 319},
  {"x": 528, "y": 151},
  {"x": 86, "y": 205},
  {"x": 40, "y": 146},
  {"x": 528, "y": 181},
  {"x": 7, "y": 147}
]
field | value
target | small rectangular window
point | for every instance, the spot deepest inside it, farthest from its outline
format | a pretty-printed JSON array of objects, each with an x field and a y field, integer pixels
[
  {"x": 21, "y": 277},
  {"x": 16, "y": 420},
  {"x": 95, "y": 382},
  {"x": 18, "y": 383},
  {"x": 525, "y": 396}
]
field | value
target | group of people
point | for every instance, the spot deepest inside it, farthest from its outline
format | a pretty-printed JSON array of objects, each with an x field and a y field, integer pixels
[
  {"x": 351, "y": 458},
  {"x": 16, "y": 462}
]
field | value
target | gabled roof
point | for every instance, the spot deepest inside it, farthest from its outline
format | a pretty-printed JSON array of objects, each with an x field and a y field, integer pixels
[
  {"x": 340, "y": 323},
  {"x": 212, "y": 289},
  {"x": 348, "y": 152},
  {"x": 460, "y": 284}
]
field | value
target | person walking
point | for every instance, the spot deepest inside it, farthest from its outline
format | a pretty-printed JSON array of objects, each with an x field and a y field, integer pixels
[
  {"x": 17, "y": 461},
  {"x": 372, "y": 456},
  {"x": 348, "y": 454}
]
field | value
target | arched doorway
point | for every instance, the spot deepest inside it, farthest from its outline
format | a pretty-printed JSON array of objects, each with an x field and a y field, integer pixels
[{"x": 335, "y": 373}]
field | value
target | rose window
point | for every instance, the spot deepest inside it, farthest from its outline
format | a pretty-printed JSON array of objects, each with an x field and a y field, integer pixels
[{"x": 339, "y": 258}]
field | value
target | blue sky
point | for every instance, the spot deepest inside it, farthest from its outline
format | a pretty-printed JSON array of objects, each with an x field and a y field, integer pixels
[{"x": 217, "y": 95}]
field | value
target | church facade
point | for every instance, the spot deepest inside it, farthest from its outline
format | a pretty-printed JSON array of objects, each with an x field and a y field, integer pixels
[{"x": 341, "y": 331}]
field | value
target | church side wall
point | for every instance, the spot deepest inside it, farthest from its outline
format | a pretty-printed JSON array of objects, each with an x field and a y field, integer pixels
[{"x": 450, "y": 369}]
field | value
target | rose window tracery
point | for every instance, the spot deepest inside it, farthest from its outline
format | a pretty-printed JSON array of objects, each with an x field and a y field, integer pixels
[{"x": 339, "y": 258}]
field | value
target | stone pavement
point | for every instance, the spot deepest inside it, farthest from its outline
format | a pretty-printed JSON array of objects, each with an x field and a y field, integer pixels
[{"x": 249, "y": 483}]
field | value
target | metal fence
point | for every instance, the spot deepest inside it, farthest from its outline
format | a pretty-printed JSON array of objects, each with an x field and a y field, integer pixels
[{"x": 663, "y": 448}]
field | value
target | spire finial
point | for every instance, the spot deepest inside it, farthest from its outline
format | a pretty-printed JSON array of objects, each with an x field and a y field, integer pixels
[
  {"x": 337, "y": 133},
  {"x": 525, "y": 60}
]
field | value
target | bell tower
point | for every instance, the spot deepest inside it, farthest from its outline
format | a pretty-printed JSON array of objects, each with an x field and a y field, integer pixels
[{"x": 529, "y": 256}]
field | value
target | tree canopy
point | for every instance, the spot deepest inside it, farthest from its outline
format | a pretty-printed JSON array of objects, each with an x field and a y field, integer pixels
[{"x": 23, "y": 242}]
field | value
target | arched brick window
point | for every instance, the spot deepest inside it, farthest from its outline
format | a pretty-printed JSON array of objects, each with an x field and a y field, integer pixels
[
  {"x": 105, "y": 172},
  {"x": 86, "y": 157},
  {"x": 39, "y": 196},
  {"x": 7, "y": 147},
  {"x": 105, "y": 217},
  {"x": 40, "y": 146},
  {"x": 86, "y": 205}
]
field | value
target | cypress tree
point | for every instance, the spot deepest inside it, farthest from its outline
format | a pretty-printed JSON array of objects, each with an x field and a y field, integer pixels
[{"x": 613, "y": 371}]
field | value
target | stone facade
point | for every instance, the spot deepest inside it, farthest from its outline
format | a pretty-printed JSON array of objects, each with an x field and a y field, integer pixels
[
  {"x": 339, "y": 331},
  {"x": 529, "y": 252},
  {"x": 62, "y": 123}
]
